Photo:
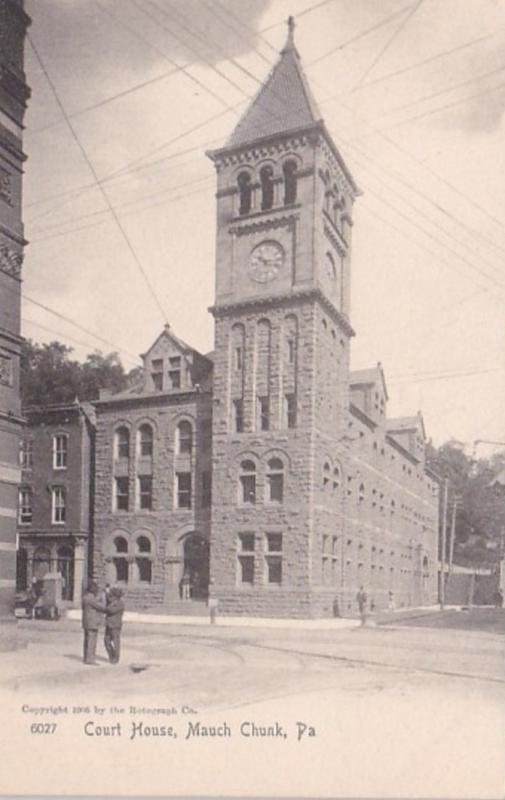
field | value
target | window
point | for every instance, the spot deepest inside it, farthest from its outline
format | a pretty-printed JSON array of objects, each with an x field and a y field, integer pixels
[
  {"x": 361, "y": 494},
  {"x": 206, "y": 489},
  {"x": 143, "y": 559},
  {"x": 145, "y": 441},
  {"x": 246, "y": 542},
  {"x": 25, "y": 505},
  {"x": 267, "y": 188},
  {"x": 238, "y": 358},
  {"x": 145, "y": 492},
  {"x": 275, "y": 480},
  {"x": 245, "y": 193},
  {"x": 184, "y": 438},
  {"x": 122, "y": 494},
  {"x": 274, "y": 557},
  {"x": 157, "y": 374},
  {"x": 183, "y": 484},
  {"x": 291, "y": 410},
  {"x": 326, "y": 475},
  {"x": 26, "y": 454},
  {"x": 58, "y": 505},
  {"x": 238, "y": 413},
  {"x": 60, "y": 451},
  {"x": 336, "y": 478},
  {"x": 122, "y": 443},
  {"x": 289, "y": 170},
  {"x": 264, "y": 413},
  {"x": 291, "y": 351},
  {"x": 248, "y": 482},
  {"x": 174, "y": 372},
  {"x": 119, "y": 559}
]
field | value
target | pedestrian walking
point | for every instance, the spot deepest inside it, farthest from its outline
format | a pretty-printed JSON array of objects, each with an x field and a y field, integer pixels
[
  {"x": 362, "y": 600},
  {"x": 113, "y": 624},
  {"x": 92, "y": 611}
]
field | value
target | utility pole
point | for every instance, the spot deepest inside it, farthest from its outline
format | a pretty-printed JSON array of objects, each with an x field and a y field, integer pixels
[
  {"x": 443, "y": 543},
  {"x": 452, "y": 534}
]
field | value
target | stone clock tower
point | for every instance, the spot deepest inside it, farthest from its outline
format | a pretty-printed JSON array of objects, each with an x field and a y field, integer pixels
[{"x": 282, "y": 331}]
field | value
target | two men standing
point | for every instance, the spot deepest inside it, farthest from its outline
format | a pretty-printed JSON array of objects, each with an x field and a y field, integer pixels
[{"x": 92, "y": 610}]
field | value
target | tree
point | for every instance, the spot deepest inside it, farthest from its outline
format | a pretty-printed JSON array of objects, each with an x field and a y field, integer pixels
[{"x": 49, "y": 375}]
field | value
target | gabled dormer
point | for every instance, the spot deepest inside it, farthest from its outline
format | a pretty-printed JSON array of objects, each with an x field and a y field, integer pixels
[
  {"x": 410, "y": 433},
  {"x": 170, "y": 365},
  {"x": 368, "y": 392}
]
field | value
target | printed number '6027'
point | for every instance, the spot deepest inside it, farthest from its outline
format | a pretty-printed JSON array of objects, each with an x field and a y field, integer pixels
[{"x": 43, "y": 727}]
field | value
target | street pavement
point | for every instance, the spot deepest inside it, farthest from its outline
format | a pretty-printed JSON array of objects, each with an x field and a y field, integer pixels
[{"x": 396, "y": 711}]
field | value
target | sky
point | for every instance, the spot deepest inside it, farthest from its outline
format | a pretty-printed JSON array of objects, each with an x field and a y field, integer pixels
[{"x": 119, "y": 206}]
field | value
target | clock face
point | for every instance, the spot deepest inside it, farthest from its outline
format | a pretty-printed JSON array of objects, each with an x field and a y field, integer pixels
[{"x": 265, "y": 261}]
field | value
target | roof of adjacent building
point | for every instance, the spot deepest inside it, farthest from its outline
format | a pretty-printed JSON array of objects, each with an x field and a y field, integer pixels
[
  {"x": 403, "y": 424},
  {"x": 369, "y": 377},
  {"x": 283, "y": 103}
]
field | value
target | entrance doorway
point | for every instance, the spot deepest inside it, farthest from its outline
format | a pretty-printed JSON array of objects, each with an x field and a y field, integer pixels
[
  {"x": 22, "y": 570},
  {"x": 196, "y": 567},
  {"x": 66, "y": 570}
]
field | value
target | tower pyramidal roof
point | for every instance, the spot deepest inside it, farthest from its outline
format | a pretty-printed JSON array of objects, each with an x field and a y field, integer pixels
[{"x": 282, "y": 104}]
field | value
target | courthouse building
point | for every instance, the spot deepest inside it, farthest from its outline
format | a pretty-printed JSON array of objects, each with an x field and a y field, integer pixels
[
  {"x": 267, "y": 474},
  {"x": 14, "y": 95}
]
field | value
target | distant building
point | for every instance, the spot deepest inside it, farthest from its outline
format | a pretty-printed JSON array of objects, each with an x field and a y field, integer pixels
[
  {"x": 55, "y": 496},
  {"x": 14, "y": 95}
]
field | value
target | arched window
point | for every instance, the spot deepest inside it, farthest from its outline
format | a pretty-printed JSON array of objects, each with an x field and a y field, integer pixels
[
  {"x": 145, "y": 440},
  {"x": 245, "y": 193},
  {"x": 184, "y": 438},
  {"x": 143, "y": 559},
  {"x": 119, "y": 559},
  {"x": 289, "y": 169},
  {"x": 361, "y": 493},
  {"x": 267, "y": 188},
  {"x": 336, "y": 478},
  {"x": 275, "y": 480},
  {"x": 248, "y": 482},
  {"x": 122, "y": 443}
]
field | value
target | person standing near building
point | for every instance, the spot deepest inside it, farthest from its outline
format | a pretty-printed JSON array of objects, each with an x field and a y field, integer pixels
[
  {"x": 92, "y": 610},
  {"x": 113, "y": 624},
  {"x": 362, "y": 599}
]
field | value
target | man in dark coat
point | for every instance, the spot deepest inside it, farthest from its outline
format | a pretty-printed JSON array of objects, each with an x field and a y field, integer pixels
[
  {"x": 92, "y": 611},
  {"x": 113, "y": 624}
]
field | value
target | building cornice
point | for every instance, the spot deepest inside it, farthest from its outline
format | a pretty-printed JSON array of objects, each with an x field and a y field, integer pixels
[
  {"x": 161, "y": 398},
  {"x": 221, "y": 310},
  {"x": 394, "y": 443},
  {"x": 357, "y": 412}
]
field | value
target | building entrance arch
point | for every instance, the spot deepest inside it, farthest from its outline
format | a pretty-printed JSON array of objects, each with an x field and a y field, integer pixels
[{"x": 195, "y": 572}]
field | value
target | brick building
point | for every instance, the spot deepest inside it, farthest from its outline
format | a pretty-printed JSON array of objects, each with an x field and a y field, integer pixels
[
  {"x": 314, "y": 491},
  {"x": 14, "y": 94},
  {"x": 56, "y": 496}
]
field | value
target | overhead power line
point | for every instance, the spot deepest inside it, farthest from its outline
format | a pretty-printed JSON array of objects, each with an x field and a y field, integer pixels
[{"x": 389, "y": 42}]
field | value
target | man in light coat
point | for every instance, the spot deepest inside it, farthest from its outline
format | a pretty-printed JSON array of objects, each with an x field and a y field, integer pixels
[{"x": 92, "y": 616}]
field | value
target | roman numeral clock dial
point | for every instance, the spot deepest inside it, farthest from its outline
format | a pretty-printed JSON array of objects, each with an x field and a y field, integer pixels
[{"x": 265, "y": 261}]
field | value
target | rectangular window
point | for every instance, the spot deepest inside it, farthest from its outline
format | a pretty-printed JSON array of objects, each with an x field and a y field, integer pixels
[
  {"x": 174, "y": 372},
  {"x": 59, "y": 505},
  {"x": 60, "y": 451},
  {"x": 183, "y": 481},
  {"x": 264, "y": 413},
  {"x": 25, "y": 506},
  {"x": 291, "y": 351},
  {"x": 275, "y": 482},
  {"x": 157, "y": 374},
  {"x": 248, "y": 484},
  {"x": 291, "y": 410},
  {"x": 238, "y": 411},
  {"x": 26, "y": 454},
  {"x": 274, "y": 557},
  {"x": 145, "y": 492},
  {"x": 122, "y": 494},
  {"x": 246, "y": 543},
  {"x": 206, "y": 489}
]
